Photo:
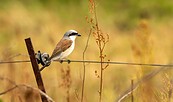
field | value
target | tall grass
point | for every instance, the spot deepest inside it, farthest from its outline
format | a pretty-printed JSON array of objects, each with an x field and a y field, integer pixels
[
  {"x": 66, "y": 81},
  {"x": 143, "y": 53},
  {"x": 165, "y": 92}
]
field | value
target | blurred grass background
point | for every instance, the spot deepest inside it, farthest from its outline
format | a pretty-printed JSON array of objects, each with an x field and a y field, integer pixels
[{"x": 45, "y": 21}]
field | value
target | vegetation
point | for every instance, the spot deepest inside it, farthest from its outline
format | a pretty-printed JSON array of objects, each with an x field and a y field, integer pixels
[{"x": 139, "y": 31}]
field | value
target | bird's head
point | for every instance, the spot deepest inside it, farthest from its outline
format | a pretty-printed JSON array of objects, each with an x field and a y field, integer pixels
[{"x": 72, "y": 34}]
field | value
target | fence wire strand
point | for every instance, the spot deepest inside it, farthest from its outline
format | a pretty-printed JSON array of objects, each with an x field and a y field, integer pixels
[{"x": 96, "y": 62}]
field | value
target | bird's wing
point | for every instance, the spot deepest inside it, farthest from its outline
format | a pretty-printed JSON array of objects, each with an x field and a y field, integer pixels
[{"x": 63, "y": 45}]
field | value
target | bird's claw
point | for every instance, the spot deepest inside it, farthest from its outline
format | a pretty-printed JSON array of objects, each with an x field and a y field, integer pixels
[
  {"x": 68, "y": 61},
  {"x": 61, "y": 61}
]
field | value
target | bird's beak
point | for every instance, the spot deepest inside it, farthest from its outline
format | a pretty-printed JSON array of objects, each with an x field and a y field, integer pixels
[{"x": 78, "y": 34}]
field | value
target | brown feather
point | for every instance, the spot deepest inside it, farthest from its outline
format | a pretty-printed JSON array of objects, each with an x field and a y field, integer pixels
[{"x": 61, "y": 47}]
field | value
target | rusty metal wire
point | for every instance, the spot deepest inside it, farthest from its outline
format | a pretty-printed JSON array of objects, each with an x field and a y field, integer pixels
[{"x": 96, "y": 62}]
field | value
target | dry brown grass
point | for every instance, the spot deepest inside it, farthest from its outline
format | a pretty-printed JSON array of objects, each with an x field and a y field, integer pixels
[
  {"x": 143, "y": 53},
  {"x": 152, "y": 44}
]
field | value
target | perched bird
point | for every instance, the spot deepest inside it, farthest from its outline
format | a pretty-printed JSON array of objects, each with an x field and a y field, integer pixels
[{"x": 63, "y": 48}]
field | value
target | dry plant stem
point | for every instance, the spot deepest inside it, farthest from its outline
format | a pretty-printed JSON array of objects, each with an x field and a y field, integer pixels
[
  {"x": 170, "y": 91},
  {"x": 132, "y": 100},
  {"x": 8, "y": 90},
  {"x": 77, "y": 96},
  {"x": 69, "y": 83},
  {"x": 27, "y": 86},
  {"x": 83, "y": 80},
  {"x": 101, "y": 41},
  {"x": 100, "y": 53},
  {"x": 136, "y": 85},
  {"x": 66, "y": 81},
  {"x": 23, "y": 85},
  {"x": 20, "y": 99},
  {"x": 101, "y": 81}
]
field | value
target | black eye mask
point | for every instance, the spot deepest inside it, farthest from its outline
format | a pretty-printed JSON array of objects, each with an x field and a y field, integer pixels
[{"x": 73, "y": 34}]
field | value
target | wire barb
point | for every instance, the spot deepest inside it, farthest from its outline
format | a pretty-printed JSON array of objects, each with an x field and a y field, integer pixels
[{"x": 42, "y": 58}]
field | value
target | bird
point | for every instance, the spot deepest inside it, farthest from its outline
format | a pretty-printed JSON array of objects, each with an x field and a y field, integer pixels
[{"x": 64, "y": 47}]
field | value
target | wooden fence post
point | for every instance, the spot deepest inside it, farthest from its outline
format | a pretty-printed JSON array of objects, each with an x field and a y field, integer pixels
[{"x": 35, "y": 68}]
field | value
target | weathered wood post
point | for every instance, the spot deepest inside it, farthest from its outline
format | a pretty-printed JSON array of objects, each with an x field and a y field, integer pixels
[{"x": 35, "y": 68}]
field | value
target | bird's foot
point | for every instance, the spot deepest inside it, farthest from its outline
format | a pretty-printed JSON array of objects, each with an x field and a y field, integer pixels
[
  {"x": 68, "y": 61},
  {"x": 61, "y": 61}
]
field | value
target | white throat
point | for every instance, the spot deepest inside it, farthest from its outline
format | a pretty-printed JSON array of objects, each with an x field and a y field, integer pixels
[{"x": 72, "y": 38}]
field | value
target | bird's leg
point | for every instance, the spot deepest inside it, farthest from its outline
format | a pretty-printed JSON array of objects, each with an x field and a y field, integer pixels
[
  {"x": 61, "y": 61},
  {"x": 68, "y": 61}
]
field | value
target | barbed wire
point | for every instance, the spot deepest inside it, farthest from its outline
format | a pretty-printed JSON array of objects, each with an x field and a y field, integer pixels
[{"x": 96, "y": 62}]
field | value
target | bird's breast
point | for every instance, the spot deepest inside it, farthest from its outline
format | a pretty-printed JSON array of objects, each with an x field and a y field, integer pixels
[{"x": 68, "y": 51}]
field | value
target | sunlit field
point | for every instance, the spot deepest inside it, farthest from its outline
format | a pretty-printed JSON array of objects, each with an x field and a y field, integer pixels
[{"x": 138, "y": 32}]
